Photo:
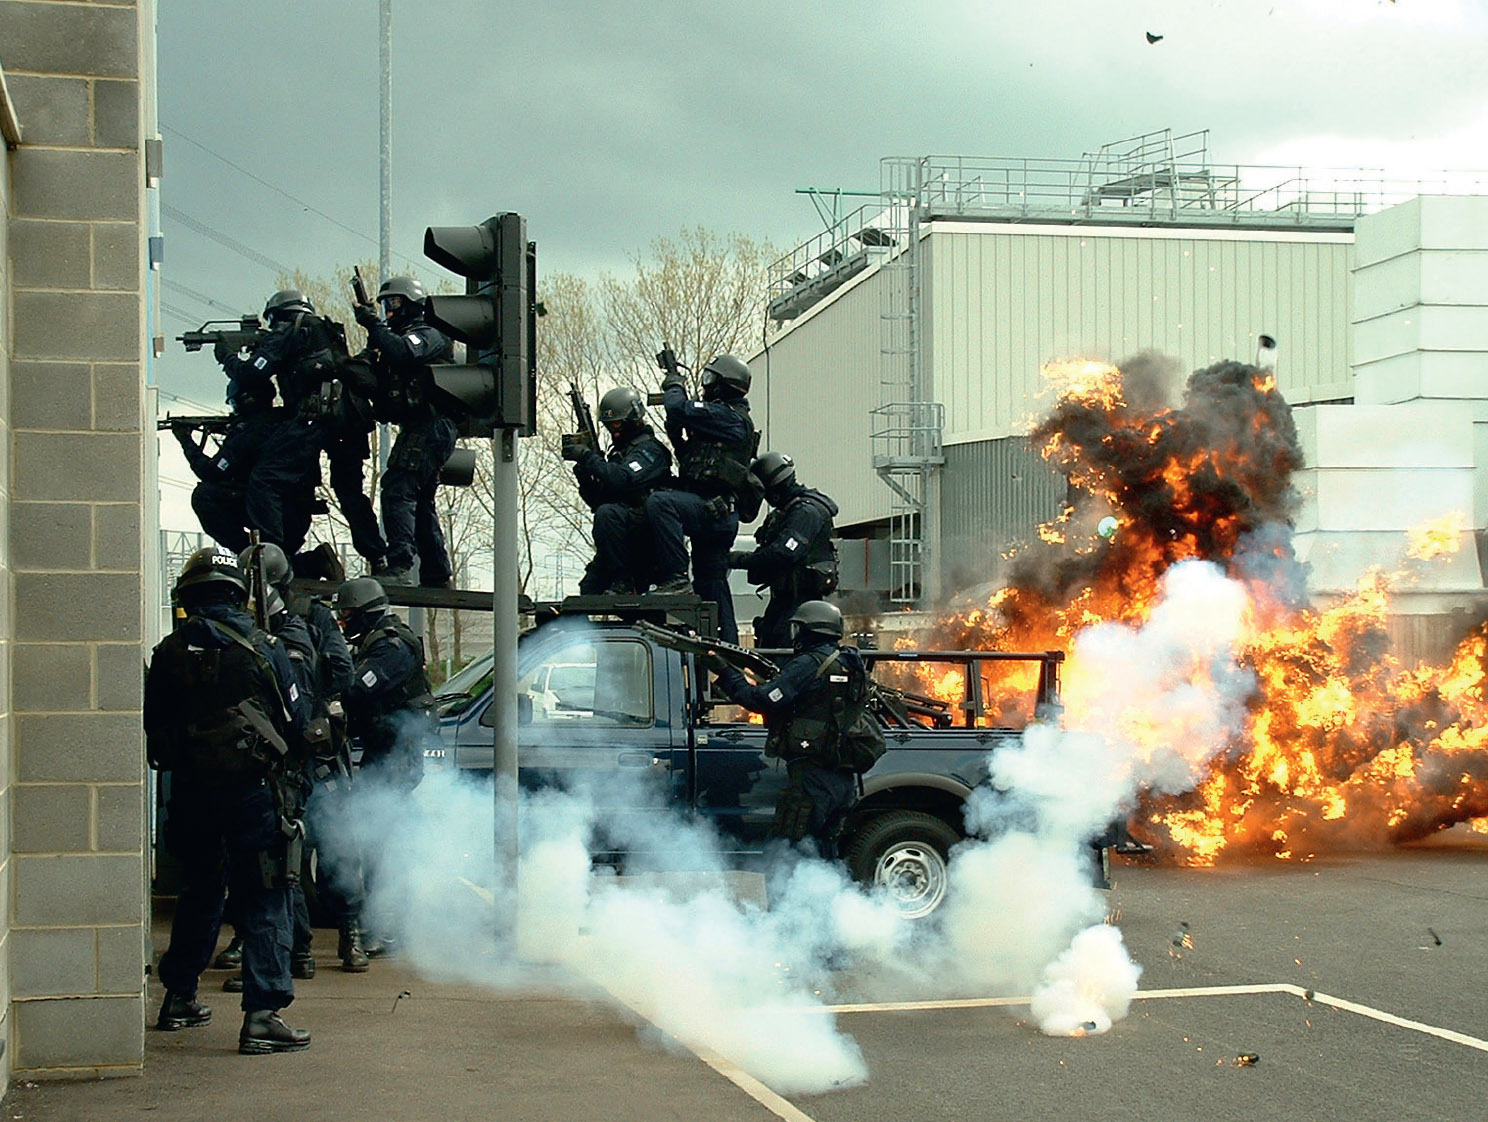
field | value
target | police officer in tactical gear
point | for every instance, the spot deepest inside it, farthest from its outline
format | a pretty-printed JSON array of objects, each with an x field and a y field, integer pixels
[
  {"x": 793, "y": 554},
  {"x": 220, "y": 496},
  {"x": 389, "y": 701},
  {"x": 301, "y": 354},
  {"x": 715, "y": 441},
  {"x": 615, "y": 487},
  {"x": 401, "y": 347},
  {"x": 816, "y": 695},
  {"x": 221, "y": 708},
  {"x": 328, "y": 757}
]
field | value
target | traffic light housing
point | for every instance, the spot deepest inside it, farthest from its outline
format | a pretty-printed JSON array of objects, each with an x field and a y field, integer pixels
[{"x": 495, "y": 319}]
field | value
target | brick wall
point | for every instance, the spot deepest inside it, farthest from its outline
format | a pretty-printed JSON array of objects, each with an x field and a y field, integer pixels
[{"x": 71, "y": 589}]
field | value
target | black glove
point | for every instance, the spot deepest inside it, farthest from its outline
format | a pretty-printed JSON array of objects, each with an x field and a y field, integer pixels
[
  {"x": 366, "y": 315},
  {"x": 673, "y": 380},
  {"x": 739, "y": 559},
  {"x": 182, "y": 433},
  {"x": 222, "y": 350},
  {"x": 575, "y": 445},
  {"x": 719, "y": 507}
]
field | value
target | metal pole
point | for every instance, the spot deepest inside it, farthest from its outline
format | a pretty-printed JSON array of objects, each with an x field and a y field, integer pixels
[
  {"x": 385, "y": 192},
  {"x": 504, "y": 626}
]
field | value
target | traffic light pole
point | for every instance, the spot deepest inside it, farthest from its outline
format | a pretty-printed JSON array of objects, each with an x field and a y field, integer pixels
[
  {"x": 504, "y": 629},
  {"x": 496, "y": 396}
]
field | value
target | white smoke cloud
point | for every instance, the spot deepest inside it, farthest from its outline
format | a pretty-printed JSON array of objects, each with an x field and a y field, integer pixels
[{"x": 719, "y": 971}]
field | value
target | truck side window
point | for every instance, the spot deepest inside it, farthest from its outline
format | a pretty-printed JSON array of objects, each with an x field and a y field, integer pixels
[{"x": 604, "y": 683}]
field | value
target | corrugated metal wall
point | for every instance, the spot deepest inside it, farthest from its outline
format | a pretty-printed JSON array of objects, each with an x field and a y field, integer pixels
[
  {"x": 994, "y": 494},
  {"x": 1006, "y": 299},
  {"x": 814, "y": 388},
  {"x": 1001, "y": 300}
]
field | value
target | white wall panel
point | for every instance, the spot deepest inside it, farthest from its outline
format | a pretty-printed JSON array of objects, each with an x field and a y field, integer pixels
[
  {"x": 813, "y": 391},
  {"x": 1007, "y": 299}
]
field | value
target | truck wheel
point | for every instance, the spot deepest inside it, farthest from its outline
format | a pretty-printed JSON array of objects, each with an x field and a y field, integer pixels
[{"x": 905, "y": 851}]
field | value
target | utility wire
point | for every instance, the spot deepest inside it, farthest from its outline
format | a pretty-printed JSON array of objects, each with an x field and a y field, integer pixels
[
  {"x": 224, "y": 240},
  {"x": 177, "y": 286},
  {"x": 277, "y": 189}
]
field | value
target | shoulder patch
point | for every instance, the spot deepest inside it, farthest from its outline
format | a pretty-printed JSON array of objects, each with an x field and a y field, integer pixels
[
  {"x": 415, "y": 341},
  {"x": 775, "y": 694},
  {"x": 700, "y": 405},
  {"x": 369, "y": 678}
]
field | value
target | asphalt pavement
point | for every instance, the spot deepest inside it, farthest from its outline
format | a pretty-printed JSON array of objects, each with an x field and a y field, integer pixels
[{"x": 1350, "y": 988}]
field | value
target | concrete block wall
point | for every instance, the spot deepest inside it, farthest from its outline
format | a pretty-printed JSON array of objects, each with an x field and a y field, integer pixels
[{"x": 71, "y": 609}]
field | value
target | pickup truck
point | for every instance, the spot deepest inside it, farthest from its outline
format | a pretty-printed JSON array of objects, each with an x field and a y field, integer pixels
[{"x": 599, "y": 695}]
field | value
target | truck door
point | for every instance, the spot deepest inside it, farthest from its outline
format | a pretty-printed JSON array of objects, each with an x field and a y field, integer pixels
[{"x": 596, "y": 724}]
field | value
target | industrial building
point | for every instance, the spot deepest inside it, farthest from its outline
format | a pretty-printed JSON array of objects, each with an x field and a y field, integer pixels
[{"x": 903, "y": 366}]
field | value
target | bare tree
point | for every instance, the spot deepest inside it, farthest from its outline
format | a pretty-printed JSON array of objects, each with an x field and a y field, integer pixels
[{"x": 703, "y": 293}]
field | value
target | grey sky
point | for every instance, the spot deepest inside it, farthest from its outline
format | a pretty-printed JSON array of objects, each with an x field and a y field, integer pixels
[{"x": 608, "y": 124}]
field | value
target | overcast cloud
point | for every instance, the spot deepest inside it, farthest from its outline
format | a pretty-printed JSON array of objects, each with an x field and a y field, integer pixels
[{"x": 608, "y": 124}]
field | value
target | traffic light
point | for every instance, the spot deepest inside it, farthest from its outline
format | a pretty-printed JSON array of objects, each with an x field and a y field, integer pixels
[{"x": 495, "y": 319}]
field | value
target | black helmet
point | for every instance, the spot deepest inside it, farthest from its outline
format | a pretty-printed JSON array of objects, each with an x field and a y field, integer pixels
[
  {"x": 211, "y": 573},
  {"x": 726, "y": 376},
  {"x": 816, "y": 619},
  {"x": 287, "y": 302},
  {"x": 359, "y": 604},
  {"x": 410, "y": 294},
  {"x": 622, "y": 404},
  {"x": 276, "y": 568},
  {"x": 775, "y": 471}
]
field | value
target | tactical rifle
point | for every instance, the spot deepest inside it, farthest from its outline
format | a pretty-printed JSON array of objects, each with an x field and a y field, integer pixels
[
  {"x": 584, "y": 416},
  {"x": 742, "y": 657},
  {"x": 210, "y": 423},
  {"x": 243, "y": 334},
  {"x": 359, "y": 287},
  {"x": 257, "y": 586}
]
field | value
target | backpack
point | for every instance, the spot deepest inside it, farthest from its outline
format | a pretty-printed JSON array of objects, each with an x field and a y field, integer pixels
[{"x": 858, "y": 740}]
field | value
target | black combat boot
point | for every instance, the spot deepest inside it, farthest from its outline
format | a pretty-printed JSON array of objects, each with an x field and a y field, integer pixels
[
  {"x": 182, "y": 1010},
  {"x": 302, "y": 965},
  {"x": 230, "y": 957},
  {"x": 233, "y": 983},
  {"x": 354, "y": 960},
  {"x": 264, "y": 1031}
]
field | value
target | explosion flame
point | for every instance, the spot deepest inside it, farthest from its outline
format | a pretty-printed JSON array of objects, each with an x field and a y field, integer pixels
[{"x": 1342, "y": 746}]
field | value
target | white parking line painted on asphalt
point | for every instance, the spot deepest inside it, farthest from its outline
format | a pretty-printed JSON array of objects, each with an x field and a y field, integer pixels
[
  {"x": 775, "y": 1104},
  {"x": 751, "y": 1086},
  {"x": 1195, "y": 991}
]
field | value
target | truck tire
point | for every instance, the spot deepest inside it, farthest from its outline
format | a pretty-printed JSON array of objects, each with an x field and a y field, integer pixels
[{"x": 905, "y": 851}]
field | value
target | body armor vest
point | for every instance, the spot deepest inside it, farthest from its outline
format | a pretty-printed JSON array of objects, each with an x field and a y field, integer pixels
[
  {"x": 414, "y": 692},
  {"x": 820, "y": 555},
  {"x": 227, "y": 723},
  {"x": 716, "y": 467},
  {"x": 815, "y": 723}
]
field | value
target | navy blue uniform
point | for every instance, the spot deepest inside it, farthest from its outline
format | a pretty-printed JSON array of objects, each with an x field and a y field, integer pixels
[
  {"x": 615, "y": 488},
  {"x": 794, "y": 556},
  {"x": 295, "y": 355},
  {"x": 220, "y": 498},
  {"x": 796, "y": 704},
  {"x": 704, "y": 509},
  {"x": 426, "y": 437},
  {"x": 218, "y": 824},
  {"x": 388, "y": 701},
  {"x": 330, "y": 764}
]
